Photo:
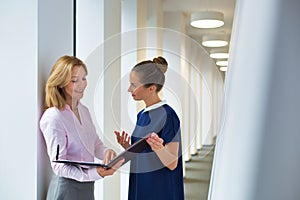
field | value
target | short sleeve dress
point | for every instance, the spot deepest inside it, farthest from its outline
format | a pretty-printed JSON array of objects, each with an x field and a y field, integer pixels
[{"x": 149, "y": 178}]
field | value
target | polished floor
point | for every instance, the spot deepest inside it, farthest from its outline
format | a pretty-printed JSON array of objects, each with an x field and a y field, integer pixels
[{"x": 198, "y": 170}]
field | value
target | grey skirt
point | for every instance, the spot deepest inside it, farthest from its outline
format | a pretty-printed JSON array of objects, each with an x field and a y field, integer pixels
[{"x": 69, "y": 189}]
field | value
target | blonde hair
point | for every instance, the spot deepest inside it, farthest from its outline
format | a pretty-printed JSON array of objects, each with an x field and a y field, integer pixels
[
  {"x": 60, "y": 76},
  {"x": 152, "y": 72}
]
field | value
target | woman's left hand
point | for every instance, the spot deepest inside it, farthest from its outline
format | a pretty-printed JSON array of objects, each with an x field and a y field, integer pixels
[
  {"x": 155, "y": 142},
  {"x": 109, "y": 155},
  {"x": 102, "y": 171}
]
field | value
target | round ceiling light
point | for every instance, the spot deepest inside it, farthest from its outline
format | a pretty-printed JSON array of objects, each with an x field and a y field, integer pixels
[
  {"x": 223, "y": 69},
  {"x": 219, "y": 53},
  {"x": 207, "y": 19},
  {"x": 222, "y": 63},
  {"x": 214, "y": 40}
]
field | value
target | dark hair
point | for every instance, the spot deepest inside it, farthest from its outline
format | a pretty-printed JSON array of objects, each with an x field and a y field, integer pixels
[{"x": 151, "y": 72}]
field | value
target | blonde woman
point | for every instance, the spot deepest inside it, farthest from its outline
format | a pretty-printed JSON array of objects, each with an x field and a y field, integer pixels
[{"x": 67, "y": 122}]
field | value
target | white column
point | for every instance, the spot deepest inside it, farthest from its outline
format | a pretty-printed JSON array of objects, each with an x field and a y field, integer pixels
[
  {"x": 112, "y": 76},
  {"x": 89, "y": 41},
  {"x": 154, "y": 23},
  {"x": 212, "y": 129},
  {"x": 186, "y": 111},
  {"x": 193, "y": 111},
  {"x": 55, "y": 39},
  {"x": 29, "y": 47},
  {"x": 257, "y": 152},
  {"x": 199, "y": 85},
  {"x": 142, "y": 38},
  {"x": 207, "y": 97},
  {"x": 150, "y": 18},
  {"x": 142, "y": 33},
  {"x": 18, "y": 138},
  {"x": 129, "y": 59},
  {"x": 175, "y": 22},
  {"x": 89, "y": 27}
]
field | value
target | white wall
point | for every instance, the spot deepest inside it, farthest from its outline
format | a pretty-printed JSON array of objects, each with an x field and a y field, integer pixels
[
  {"x": 32, "y": 37},
  {"x": 257, "y": 152},
  {"x": 18, "y": 129},
  {"x": 89, "y": 39},
  {"x": 55, "y": 39},
  {"x": 89, "y": 27}
]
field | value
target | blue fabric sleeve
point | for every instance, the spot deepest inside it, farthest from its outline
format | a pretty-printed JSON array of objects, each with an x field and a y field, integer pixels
[{"x": 171, "y": 130}]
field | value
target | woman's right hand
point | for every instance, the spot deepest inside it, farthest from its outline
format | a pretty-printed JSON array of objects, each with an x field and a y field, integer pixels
[{"x": 123, "y": 139}]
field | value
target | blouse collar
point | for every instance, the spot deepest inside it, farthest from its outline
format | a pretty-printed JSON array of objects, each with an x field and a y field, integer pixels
[
  {"x": 154, "y": 106},
  {"x": 68, "y": 107}
]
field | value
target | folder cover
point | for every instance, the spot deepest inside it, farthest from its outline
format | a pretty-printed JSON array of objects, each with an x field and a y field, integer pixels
[{"x": 127, "y": 155}]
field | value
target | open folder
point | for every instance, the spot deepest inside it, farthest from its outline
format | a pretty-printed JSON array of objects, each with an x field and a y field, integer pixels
[{"x": 127, "y": 155}]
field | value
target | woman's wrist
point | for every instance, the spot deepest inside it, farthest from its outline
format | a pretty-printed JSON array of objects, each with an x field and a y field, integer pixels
[
  {"x": 161, "y": 150},
  {"x": 99, "y": 172}
]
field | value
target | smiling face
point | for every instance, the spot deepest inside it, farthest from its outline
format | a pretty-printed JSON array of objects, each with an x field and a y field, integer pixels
[{"x": 75, "y": 89}]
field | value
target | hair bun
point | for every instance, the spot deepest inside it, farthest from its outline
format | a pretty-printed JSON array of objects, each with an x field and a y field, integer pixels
[{"x": 161, "y": 63}]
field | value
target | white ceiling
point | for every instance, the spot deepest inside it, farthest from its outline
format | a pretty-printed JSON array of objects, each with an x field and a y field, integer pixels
[{"x": 189, "y": 6}]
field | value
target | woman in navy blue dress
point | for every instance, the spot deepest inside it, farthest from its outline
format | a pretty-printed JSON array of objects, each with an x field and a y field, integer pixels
[{"x": 157, "y": 172}]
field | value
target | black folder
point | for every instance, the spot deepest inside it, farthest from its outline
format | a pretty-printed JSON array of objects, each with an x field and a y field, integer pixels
[{"x": 127, "y": 155}]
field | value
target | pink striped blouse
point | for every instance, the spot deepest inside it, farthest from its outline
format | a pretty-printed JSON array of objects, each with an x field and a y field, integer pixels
[{"x": 78, "y": 141}]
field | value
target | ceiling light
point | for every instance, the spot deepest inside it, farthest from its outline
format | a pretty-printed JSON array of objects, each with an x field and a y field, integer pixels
[
  {"x": 223, "y": 69},
  {"x": 207, "y": 19},
  {"x": 214, "y": 40},
  {"x": 222, "y": 63},
  {"x": 219, "y": 53}
]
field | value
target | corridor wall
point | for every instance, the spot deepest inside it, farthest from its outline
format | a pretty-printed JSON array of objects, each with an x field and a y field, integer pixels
[
  {"x": 257, "y": 148},
  {"x": 55, "y": 39},
  {"x": 18, "y": 143}
]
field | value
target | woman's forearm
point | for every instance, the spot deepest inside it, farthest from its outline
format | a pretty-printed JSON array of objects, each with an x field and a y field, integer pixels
[{"x": 168, "y": 155}]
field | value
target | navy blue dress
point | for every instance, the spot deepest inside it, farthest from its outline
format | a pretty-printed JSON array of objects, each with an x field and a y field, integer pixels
[{"x": 149, "y": 178}]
